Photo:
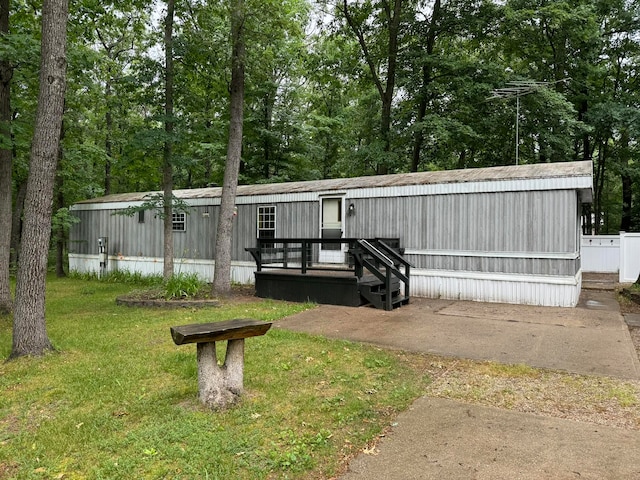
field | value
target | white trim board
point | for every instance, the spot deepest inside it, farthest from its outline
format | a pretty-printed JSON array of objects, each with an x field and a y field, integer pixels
[{"x": 483, "y": 254}]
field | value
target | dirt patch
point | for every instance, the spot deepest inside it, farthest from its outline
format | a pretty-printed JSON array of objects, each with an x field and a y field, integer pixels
[
  {"x": 629, "y": 301},
  {"x": 7, "y": 470},
  {"x": 163, "y": 303},
  {"x": 153, "y": 298},
  {"x": 630, "y": 304},
  {"x": 598, "y": 400},
  {"x": 635, "y": 338}
]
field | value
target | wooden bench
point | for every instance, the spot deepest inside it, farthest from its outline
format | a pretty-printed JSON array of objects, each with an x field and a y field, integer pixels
[{"x": 219, "y": 385}]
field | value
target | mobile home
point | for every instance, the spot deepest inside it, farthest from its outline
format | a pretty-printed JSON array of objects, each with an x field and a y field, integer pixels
[{"x": 502, "y": 234}]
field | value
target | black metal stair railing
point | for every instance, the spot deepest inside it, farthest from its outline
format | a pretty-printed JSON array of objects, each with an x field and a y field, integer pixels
[
  {"x": 384, "y": 261},
  {"x": 383, "y": 257}
]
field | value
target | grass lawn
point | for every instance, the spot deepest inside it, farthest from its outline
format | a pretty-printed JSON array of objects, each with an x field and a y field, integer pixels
[{"x": 118, "y": 400}]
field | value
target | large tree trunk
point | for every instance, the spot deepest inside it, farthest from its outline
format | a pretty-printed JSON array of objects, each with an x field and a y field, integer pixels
[
  {"x": 222, "y": 272},
  {"x": 6, "y": 158},
  {"x": 29, "y": 326},
  {"x": 167, "y": 165}
]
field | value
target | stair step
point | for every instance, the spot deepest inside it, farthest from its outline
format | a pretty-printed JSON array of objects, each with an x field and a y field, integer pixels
[
  {"x": 377, "y": 285},
  {"x": 395, "y": 303},
  {"x": 372, "y": 290}
]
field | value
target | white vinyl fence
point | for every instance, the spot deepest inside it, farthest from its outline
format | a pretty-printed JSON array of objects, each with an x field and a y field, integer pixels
[
  {"x": 629, "y": 257},
  {"x": 612, "y": 253}
]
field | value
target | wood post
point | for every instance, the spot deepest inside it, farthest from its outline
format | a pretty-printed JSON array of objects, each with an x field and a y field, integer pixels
[{"x": 220, "y": 385}]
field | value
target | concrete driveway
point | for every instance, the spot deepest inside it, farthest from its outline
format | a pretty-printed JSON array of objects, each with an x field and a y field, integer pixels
[
  {"x": 590, "y": 339},
  {"x": 446, "y": 439}
]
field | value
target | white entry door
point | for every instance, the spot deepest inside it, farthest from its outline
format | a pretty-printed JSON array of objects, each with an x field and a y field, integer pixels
[{"x": 331, "y": 227}]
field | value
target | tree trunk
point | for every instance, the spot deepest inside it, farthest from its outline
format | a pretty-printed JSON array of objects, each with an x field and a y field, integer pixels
[
  {"x": 598, "y": 187},
  {"x": 587, "y": 213},
  {"x": 60, "y": 235},
  {"x": 108, "y": 150},
  {"x": 220, "y": 386},
  {"x": 167, "y": 165},
  {"x": 222, "y": 272},
  {"x": 393, "y": 17},
  {"x": 6, "y": 160},
  {"x": 627, "y": 183},
  {"x": 29, "y": 326},
  {"x": 426, "y": 81},
  {"x": 16, "y": 223},
  {"x": 385, "y": 91}
]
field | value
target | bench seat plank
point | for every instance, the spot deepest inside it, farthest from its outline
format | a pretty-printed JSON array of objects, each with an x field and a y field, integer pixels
[{"x": 216, "y": 331}]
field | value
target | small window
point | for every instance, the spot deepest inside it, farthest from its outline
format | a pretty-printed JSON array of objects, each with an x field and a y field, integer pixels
[
  {"x": 267, "y": 221},
  {"x": 141, "y": 216},
  {"x": 180, "y": 222}
]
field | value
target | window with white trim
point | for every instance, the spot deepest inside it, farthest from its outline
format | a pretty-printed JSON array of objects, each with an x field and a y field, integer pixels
[
  {"x": 267, "y": 221},
  {"x": 179, "y": 222}
]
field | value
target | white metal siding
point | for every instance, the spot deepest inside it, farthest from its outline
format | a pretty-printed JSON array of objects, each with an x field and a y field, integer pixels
[
  {"x": 520, "y": 289},
  {"x": 475, "y": 286}
]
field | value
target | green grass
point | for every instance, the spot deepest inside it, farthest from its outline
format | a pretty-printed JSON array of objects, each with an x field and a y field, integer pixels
[{"x": 118, "y": 400}]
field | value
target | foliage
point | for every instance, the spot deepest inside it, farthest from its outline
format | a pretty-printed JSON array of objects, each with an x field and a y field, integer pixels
[
  {"x": 63, "y": 220},
  {"x": 123, "y": 277},
  {"x": 119, "y": 400},
  {"x": 155, "y": 202},
  {"x": 315, "y": 104},
  {"x": 182, "y": 285}
]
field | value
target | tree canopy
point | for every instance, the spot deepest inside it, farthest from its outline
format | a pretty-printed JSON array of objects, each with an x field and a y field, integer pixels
[{"x": 336, "y": 88}]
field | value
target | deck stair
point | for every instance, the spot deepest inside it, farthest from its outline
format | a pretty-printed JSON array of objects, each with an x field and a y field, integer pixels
[
  {"x": 380, "y": 286},
  {"x": 374, "y": 293},
  {"x": 374, "y": 272}
]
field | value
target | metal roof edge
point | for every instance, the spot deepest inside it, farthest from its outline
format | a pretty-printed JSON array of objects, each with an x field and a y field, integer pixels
[{"x": 572, "y": 175}]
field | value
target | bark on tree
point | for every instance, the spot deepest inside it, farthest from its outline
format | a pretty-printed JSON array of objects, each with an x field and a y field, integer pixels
[
  {"x": 16, "y": 223},
  {"x": 6, "y": 159},
  {"x": 167, "y": 164},
  {"x": 222, "y": 272},
  {"x": 29, "y": 325},
  {"x": 220, "y": 386},
  {"x": 60, "y": 234}
]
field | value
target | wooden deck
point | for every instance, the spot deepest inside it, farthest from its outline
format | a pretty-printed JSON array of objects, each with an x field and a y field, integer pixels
[
  {"x": 287, "y": 269},
  {"x": 333, "y": 287}
]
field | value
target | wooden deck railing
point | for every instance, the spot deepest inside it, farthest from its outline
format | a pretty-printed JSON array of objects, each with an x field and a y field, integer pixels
[{"x": 381, "y": 257}]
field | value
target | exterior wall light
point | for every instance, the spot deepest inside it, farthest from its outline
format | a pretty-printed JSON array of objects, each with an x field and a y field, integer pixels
[{"x": 352, "y": 209}]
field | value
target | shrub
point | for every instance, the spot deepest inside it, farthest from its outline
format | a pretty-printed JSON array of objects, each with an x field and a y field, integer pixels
[{"x": 183, "y": 285}]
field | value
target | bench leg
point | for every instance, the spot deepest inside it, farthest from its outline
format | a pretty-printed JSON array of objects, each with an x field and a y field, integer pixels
[{"x": 220, "y": 385}]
